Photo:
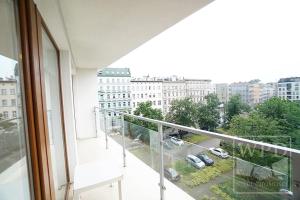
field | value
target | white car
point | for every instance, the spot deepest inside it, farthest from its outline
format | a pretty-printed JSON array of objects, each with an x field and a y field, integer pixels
[
  {"x": 219, "y": 152},
  {"x": 196, "y": 162},
  {"x": 177, "y": 141}
]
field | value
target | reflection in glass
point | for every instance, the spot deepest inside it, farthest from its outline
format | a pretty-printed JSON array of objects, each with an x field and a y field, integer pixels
[{"x": 14, "y": 178}]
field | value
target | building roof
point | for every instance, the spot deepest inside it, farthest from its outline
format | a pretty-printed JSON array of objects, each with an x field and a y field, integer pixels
[
  {"x": 114, "y": 72},
  {"x": 290, "y": 79}
]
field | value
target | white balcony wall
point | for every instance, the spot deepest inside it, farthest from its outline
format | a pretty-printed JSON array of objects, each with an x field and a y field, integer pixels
[{"x": 85, "y": 100}]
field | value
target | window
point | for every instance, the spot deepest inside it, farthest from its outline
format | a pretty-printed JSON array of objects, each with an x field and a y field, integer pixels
[
  {"x": 128, "y": 103},
  {"x": 124, "y": 103},
  {"x": 114, "y": 96},
  {"x": 102, "y": 105},
  {"x": 3, "y": 91},
  {"x": 124, "y": 96},
  {"x": 128, "y": 95},
  {"x": 100, "y": 80},
  {"x": 4, "y": 102},
  {"x": 5, "y": 115},
  {"x": 108, "y": 96},
  {"x": 114, "y": 105},
  {"x": 12, "y": 91},
  {"x": 119, "y": 104},
  {"x": 108, "y": 105},
  {"x": 14, "y": 114},
  {"x": 13, "y": 102},
  {"x": 133, "y": 104},
  {"x": 159, "y": 102},
  {"x": 142, "y": 96},
  {"x": 154, "y": 103}
]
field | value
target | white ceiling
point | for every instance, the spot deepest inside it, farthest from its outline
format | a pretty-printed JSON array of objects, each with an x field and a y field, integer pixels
[{"x": 98, "y": 32}]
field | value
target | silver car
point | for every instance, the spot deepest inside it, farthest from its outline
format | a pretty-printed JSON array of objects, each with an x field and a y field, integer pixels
[{"x": 196, "y": 162}]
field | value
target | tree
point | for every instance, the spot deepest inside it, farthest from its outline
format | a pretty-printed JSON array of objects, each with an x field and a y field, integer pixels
[
  {"x": 182, "y": 112},
  {"x": 235, "y": 106},
  {"x": 287, "y": 114},
  {"x": 139, "y": 128},
  {"x": 145, "y": 109},
  {"x": 208, "y": 114}
]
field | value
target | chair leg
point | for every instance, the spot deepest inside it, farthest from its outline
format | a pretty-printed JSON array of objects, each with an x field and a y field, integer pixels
[{"x": 120, "y": 189}]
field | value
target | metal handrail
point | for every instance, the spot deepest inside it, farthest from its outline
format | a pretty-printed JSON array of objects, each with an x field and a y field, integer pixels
[
  {"x": 255, "y": 144},
  {"x": 293, "y": 154}
]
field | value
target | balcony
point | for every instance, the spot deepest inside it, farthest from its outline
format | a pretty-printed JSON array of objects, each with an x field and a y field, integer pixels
[{"x": 150, "y": 153}]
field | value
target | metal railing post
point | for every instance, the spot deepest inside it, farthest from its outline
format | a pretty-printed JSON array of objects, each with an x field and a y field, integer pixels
[
  {"x": 96, "y": 124},
  {"x": 296, "y": 176},
  {"x": 161, "y": 153},
  {"x": 123, "y": 140},
  {"x": 105, "y": 130}
]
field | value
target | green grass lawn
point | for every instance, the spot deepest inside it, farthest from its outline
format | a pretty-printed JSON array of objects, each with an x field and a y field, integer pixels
[{"x": 195, "y": 139}]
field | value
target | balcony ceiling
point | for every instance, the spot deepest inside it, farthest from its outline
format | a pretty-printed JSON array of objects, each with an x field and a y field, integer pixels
[{"x": 99, "y": 32}]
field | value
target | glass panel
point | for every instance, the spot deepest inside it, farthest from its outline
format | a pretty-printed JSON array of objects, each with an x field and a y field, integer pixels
[
  {"x": 14, "y": 176},
  {"x": 52, "y": 94}
]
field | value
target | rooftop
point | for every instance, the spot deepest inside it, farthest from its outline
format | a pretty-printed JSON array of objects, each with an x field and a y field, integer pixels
[{"x": 114, "y": 72}]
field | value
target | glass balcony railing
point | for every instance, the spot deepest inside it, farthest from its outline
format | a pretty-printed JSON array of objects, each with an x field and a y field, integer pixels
[{"x": 207, "y": 165}]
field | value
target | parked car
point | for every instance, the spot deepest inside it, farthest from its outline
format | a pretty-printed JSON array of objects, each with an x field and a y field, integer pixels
[
  {"x": 177, "y": 141},
  {"x": 219, "y": 152},
  {"x": 196, "y": 162},
  {"x": 171, "y": 174},
  {"x": 207, "y": 160}
]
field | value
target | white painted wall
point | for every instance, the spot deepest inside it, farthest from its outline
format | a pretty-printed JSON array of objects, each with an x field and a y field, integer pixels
[
  {"x": 67, "y": 94},
  {"x": 85, "y": 99}
]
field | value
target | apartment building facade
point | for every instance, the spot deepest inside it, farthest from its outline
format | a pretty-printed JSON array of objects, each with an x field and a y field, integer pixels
[
  {"x": 241, "y": 89},
  {"x": 146, "y": 89},
  {"x": 114, "y": 91},
  {"x": 8, "y": 99},
  {"x": 222, "y": 92},
  {"x": 197, "y": 89},
  {"x": 173, "y": 89},
  {"x": 269, "y": 90},
  {"x": 289, "y": 88}
]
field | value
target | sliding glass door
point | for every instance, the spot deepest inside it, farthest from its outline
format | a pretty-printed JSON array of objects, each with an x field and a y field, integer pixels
[
  {"x": 53, "y": 109},
  {"x": 14, "y": 156}
]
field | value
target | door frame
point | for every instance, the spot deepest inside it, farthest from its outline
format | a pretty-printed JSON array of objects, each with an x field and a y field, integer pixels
[{"x": 38, "y": 138}]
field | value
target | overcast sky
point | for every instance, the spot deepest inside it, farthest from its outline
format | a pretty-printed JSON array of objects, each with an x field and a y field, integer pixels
[{"x": 226, "y": 41}]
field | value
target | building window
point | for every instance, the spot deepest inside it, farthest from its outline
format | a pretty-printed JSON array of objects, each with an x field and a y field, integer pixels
[
  {"x": 14, "y": 114},
  {"x": 124, "y": 96},
  {"x": 13, "y": 102},
  {"x": 12, "y": 91},
  {"x": 114, "y": 105},
  {"x": 119, "y": 104},
  {"x": 142, "y": 96},
  {"x": 133, "y": 104},
  {"x": 128, "y": 103},
  {"x": 124, "y": 103},
  {"x": 128, "y": 95},
  {"x": 102, "y": 105},
  {"x": 159, "y": 102},
  {"x": 108, "y": 96},
  {"x": 5, "y": 115},
  {"x": 108, "y": 105},
  {"x": 4, "y": 102},
  {"x": 154, "y": 103},
  {"x": 109, "y": 114},
  {"x": 3, "y": 91},
  {"x": 114, "y": 96}
]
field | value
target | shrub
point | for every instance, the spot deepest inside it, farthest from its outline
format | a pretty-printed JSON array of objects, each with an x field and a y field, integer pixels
[
  {"x": 195, "y": 138},
  {"x": 217, "y": 191}
]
